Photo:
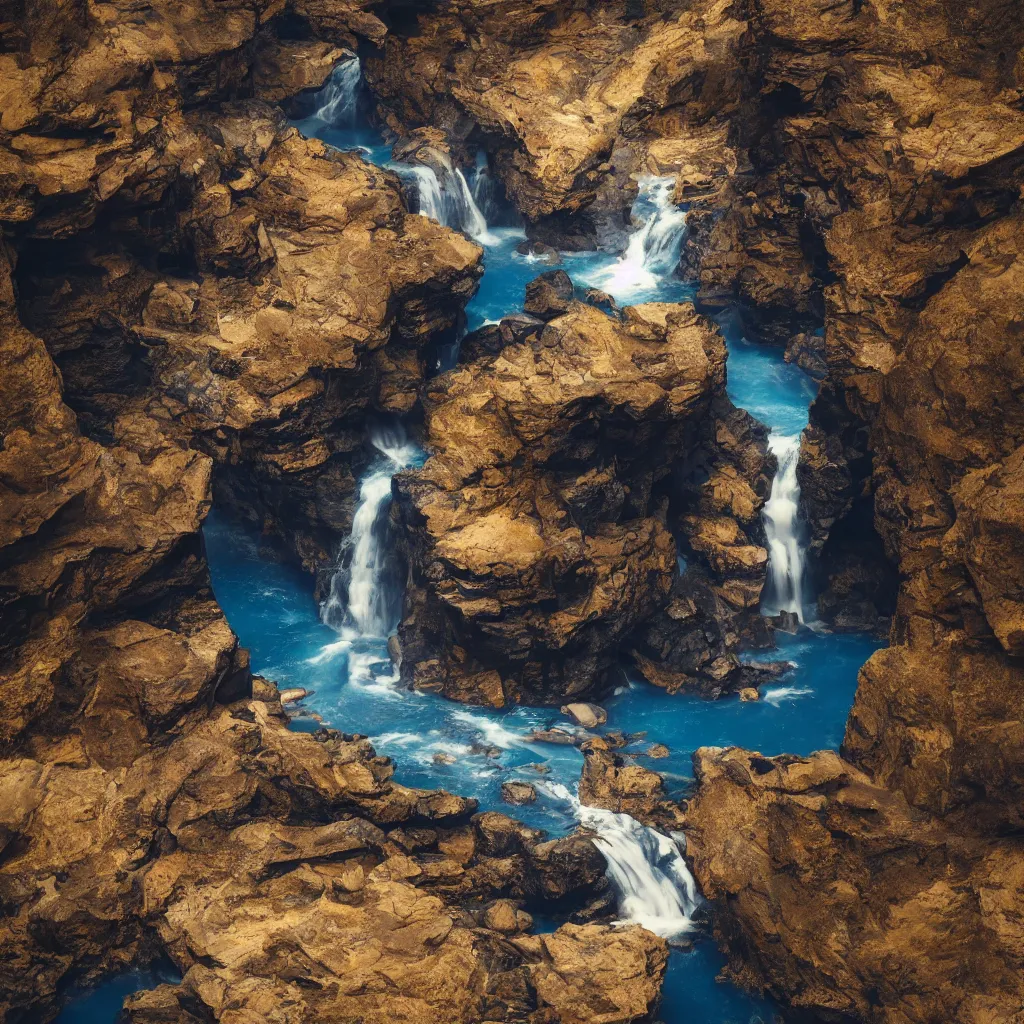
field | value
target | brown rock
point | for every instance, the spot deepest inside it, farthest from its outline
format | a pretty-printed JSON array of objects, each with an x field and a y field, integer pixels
[
  {"x": 588, "y": 715},
  {"x": 492, "y": 511},
  {"x": 549, "y": 295},
  {"x": 518, "y": 793}
]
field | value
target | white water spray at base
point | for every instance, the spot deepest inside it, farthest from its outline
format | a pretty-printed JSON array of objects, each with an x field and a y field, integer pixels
[
  {"x": 782, "y": 531},
  {"x": 655, "y": 888},
  {"x": 652, "y": 251}
]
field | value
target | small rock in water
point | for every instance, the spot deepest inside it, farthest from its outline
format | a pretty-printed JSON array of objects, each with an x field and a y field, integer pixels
[
  {"x": 549, "y": 295},
  {"x": 293, "y": 695},
  {"x": 748, "y": 693},
  {"x": 518, "y": 793},
  {"x": 539, "y": 251},
  {"x": 395, "y": 651},
  {"x": 588, "y": 715},
  {"x": 559, "y": 736},
  {"x": 657, "y": 750},
  {"x": 486, "y": 749},
  {"x": 787, "y": 622},
  {"x": 540, "y": 769},
  {"x": 443, "y": 758},
  {"x": 601, "y": 299}
]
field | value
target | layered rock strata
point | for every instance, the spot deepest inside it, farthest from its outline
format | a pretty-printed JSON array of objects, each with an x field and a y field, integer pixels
[
  {"x": 194, "y": 299},
  {"x": 537, "y": 531}
]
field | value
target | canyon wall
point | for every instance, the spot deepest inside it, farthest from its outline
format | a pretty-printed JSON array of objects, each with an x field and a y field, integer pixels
[{"x": 196, "y": 303}]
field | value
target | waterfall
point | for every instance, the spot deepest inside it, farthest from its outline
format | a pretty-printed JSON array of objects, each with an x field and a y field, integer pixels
[
  {"x": 652, "y": 251},
  {"x": 446, "y": 199},
  {"x": 337, "y": 101},
  {"x": 655, "y": 887},
  {"x": 363, "y": 600},
  {"x": 782, "y": 530}
]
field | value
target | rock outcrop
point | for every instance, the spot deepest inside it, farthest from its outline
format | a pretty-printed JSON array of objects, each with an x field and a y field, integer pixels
[
  {"x": 571, "y": 101},
  {"x": 848, "y": 902},
  {"x": 537, "y": 530},
  {"x": 194, "y": 300},
  {"x": 909, "y": 143}
]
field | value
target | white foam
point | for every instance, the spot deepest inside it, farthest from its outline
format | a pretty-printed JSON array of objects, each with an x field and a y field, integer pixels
[
  {"x": 329, "y": 652},
  {"x": 395, "y": 739},
  {"x": 654, "y": 885},
  {"x": 652, "y": 251},
  {"x": 775, "y": 695},
  {"x": 492, "y": 732}
]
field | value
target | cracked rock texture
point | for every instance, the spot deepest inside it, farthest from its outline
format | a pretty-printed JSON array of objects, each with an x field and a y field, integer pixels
[{"x": 537, "y": 531}]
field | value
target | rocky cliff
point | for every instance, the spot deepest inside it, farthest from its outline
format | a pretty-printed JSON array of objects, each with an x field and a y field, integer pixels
[
  {"x": 538, "y": 531},
  {"x": 902, "y": 130},
  {"x": 196, "y": 303}
]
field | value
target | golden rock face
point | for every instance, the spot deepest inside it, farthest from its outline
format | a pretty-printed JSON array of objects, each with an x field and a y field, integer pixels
[{"x": 196, "y": 301}]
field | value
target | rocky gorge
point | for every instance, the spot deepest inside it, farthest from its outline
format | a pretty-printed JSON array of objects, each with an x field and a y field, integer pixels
[{"x": 510, "y": 491}]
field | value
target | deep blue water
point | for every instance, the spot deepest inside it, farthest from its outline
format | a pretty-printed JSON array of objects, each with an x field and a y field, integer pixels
[
  {"x": 102, "y": 1004},
  {"x": 271, "y": 608}
]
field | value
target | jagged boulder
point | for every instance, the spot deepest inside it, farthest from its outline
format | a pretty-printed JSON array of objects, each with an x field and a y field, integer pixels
[{"x": 535, "y": 530}]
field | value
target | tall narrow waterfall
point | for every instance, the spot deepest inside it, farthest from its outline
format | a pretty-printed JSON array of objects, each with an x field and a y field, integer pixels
[
  {"x": 364, "y": 599},
  {"x": 654, "y": 886},
  {"x": 782, "y": 530},
  {"x": 337, "y": 101},
  {"x": 654, "y": 245}
]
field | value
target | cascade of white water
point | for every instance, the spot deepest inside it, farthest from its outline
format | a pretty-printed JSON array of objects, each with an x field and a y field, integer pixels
[
  {"x": 337, "y": 101},
  {"x": 654, "y": 245},
  {"x": 361, "y": 601},
  {"x": 655, "y": 888},
  {"x": 782, "y": 531},
  {"x": 446, "y": 199}
]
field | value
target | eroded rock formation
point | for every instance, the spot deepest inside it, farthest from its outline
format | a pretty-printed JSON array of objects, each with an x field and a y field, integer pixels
[
  {"x": 538, "y": 529},
  {"x": 909, "y": 144},
  {"x": 195, "y": 300}
]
